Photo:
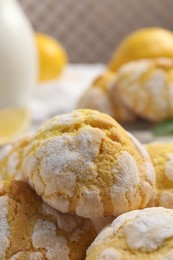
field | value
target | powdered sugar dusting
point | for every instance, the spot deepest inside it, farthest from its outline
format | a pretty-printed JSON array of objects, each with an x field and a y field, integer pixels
[
  {"x": 126, "y": 182},
  {"x": 66, "y": 222},
  {"x": 13, "y": 161},
  {"x": 74, "y": 225},
  {"x": 150, "y": 172},
  {"x": 89, "y": 140},
  {"x": 44, "y": 236},
  {"x": 149, "y": 229},
  {"x": 70, "y": 119},
  {"x": 17, "y": 256},
  {"x": 152, "y": 88},
  {"x": 109, "y": 232},
  {"x": 66, "y": 120},
  {"x": 110, "y": 254},
  {"x": 77, "y": 156},
  {"x": 58, "y": 202},
  {"x": 135, "y": 65},
  {"x": 4, "y": 150},
  {"x": 89, "y": 204},
  {"x": 57, "y": 170},
  {"x": 29, "y": 165},
  {"x": 143, "y": 230},
  {"x": 23, "y": 254},
  {"x": 35, "y": 256},
  {"x": 4, "y": 226},
  {"x": 155, "y": 84}
]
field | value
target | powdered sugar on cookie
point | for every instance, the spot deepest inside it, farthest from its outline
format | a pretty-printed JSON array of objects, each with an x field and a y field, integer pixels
[
  {"x": 83, "y": 166},
  {"x": 4, "y": 226},
  {"x": 136, "y": 235}
]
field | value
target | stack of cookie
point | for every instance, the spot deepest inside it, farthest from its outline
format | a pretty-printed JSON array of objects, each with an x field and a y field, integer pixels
[
  {"x": 142, "y": 88},
  {"x": 76, "y": 174}
]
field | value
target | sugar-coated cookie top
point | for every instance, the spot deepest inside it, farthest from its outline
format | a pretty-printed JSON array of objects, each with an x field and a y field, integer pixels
[
  {"x": 140, "y": 234},
  {"x": 86, "y": 163},
  {"x": 146, "y": 87},
  {"x": 30, "y": 229}
]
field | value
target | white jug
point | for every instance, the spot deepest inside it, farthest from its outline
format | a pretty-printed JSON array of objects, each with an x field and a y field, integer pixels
[
  {"x": 18, "y": 56},
  {"x": 18, "y": 60}
]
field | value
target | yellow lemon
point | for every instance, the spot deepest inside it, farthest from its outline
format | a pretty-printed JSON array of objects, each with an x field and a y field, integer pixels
[
  {"x": 145, "y": 43},
  {"x": 13, "y": 121},
  {"x": 52, "y": 57}
]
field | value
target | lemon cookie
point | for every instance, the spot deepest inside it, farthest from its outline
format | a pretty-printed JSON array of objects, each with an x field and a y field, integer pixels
[
  {"x": 97, "y": 97},
  {"x": 146, "y": 87},
  {"x": 30, "y": 229},
  {"x": 162, "y": 157},
  {"x": 86, "y": 163},
  {"x": 136, "y": 235},
  {"x": 11, "y": 158}
]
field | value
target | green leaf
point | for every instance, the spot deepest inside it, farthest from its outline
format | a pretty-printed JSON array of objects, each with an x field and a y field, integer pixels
[{"x": 164, "y": 128}]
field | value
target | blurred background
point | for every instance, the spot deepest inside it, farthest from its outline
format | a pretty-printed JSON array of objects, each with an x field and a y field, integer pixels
[
  {"x": 90, "y": 30},
  {"x": 57, "y": 56}
]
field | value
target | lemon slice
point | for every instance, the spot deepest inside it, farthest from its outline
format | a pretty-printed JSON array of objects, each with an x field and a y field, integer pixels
[{"x": 13, "y": 121}]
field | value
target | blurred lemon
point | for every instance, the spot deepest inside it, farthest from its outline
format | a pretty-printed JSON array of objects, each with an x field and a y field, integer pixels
[
  {"x": 52, "y": 57},
  {"x": 145, "y": 43},
  {"x": 13, "y": 121}
]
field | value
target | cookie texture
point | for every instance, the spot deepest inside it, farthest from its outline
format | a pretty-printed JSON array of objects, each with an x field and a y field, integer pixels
[
  {"x": 32, "y": 230},
  {"x": 146, "y": 87},
  {"x": 98, "y": 97},
  {"x": 136, "y": 235},
  {"x": 11, "y": 156},
  {"x": 86, "y": 163},
  {"x": 162, "y": 157}
]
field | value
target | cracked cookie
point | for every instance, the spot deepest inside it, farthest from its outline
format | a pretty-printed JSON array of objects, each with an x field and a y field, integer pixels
[
  {"x": 30, "y": 229},
  {"x": 136, "y": 235},
  {"x": 146, "y": 87},
  {"x": 86, "y": 163}
]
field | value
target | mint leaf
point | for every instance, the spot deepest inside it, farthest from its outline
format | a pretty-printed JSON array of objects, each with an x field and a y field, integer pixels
[{"x": 164, "y": 128}]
